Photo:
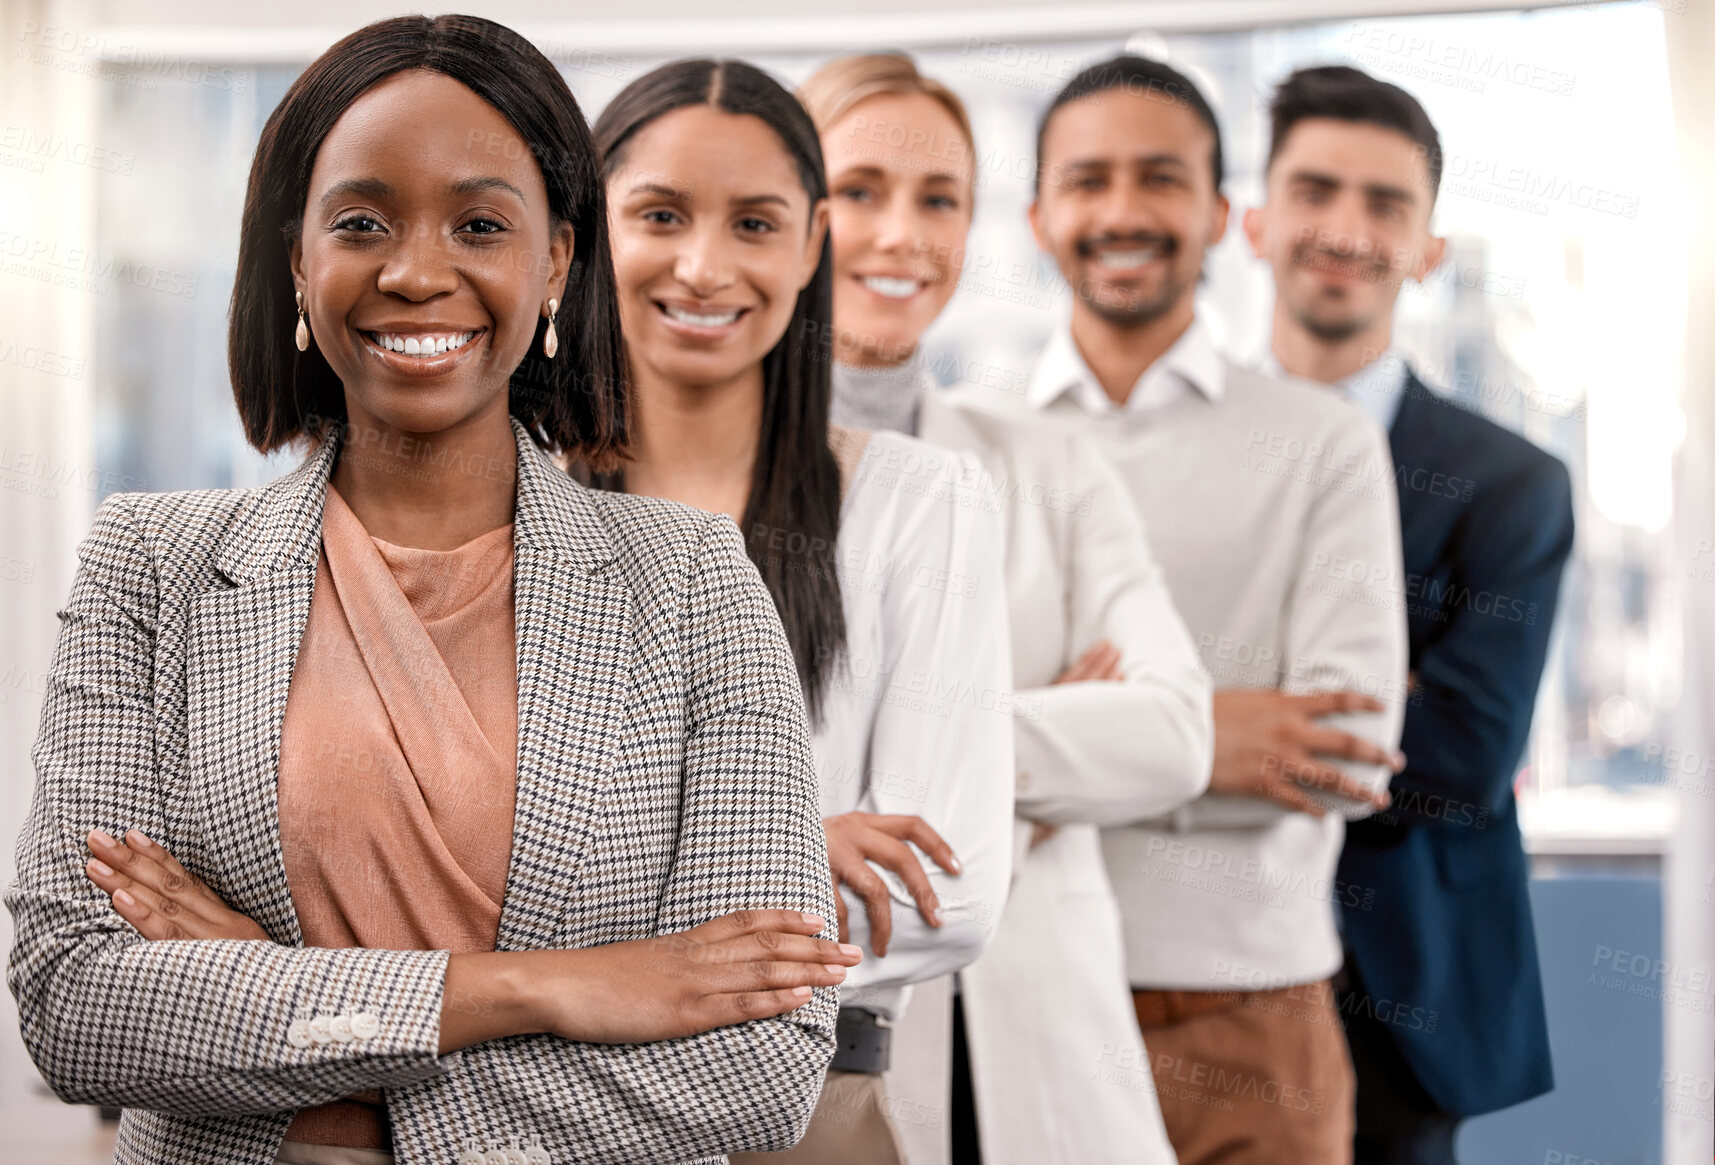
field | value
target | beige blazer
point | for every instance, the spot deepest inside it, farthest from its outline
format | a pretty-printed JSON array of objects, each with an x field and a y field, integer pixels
[
  {"x": 1058, "y": 1067},
  {"x": 664, "y": 778}
]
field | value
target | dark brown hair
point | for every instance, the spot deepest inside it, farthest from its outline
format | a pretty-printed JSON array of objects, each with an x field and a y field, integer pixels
[
  {"x": 1342, "y": 93},
  {"x": 795, "y": 485},
  {"x": 575, "y": 402},
  {"x": 1144, "y": 76}
]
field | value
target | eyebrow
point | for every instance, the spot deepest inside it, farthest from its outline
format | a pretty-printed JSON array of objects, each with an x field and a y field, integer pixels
[
  {"x": 1144, "y": 160},
  {"x": 1382, "y": 190},
  {"x": 363, "y": 187},
  {"x": 680, "y": 195},
  {"x": 376, "y": 188},
  {"x": 480, "y": 183},
  {"x": 870, "y": 170}
]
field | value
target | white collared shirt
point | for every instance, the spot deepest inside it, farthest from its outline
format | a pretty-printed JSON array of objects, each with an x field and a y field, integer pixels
[
  {"x": 1377, "y": 387},
  {"x": 1191, "y": 366},
  {"x": 1271, "y": 508}
]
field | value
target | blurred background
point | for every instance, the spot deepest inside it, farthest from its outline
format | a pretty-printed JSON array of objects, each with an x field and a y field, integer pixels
[{"x": 1574, "y": 307}]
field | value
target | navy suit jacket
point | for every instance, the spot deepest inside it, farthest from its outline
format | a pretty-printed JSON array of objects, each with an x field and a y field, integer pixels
[{"x": 1446, "y": 951}]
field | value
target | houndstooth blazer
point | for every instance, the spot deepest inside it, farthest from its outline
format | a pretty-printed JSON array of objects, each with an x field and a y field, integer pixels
[{"x": 664, "y": 778}]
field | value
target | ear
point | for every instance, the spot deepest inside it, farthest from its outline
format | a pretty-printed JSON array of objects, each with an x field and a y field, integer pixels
[
  {"x": 1253, "y": 222},
  {"x": 1433, "y": 252},
  {"x": 1218, "y": 219},
  {"x": 813, "y": 241},
  {"x": 561, "y": 248},
  {"x": 1033, "y": 215},
  {"x": 295, "y": 251}
]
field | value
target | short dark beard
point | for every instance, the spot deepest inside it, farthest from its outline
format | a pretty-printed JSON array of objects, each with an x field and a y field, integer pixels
[
  {"x": 1136, "y": 313},
  {"x": 1330, "y": 331}
]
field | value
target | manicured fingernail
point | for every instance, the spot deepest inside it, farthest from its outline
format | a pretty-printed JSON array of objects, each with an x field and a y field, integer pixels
[
  {"x": 958, "y": 866},
  {"x": 1398, "y": 762},
  {"x": 801, "y": 992},
  {"x": 102, "y": 837},
  {"x": 101, "y": 867},
  {"x": 123, "y": 898},
  {"x": 140, "y": 839},
  {"x": 814, "y": 920},
  {"x": 850, "y": 951},
  {"x": 834, "y": 969}
]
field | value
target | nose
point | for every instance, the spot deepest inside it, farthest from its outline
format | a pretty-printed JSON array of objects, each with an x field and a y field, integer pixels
[
  {"x": 896, "y": 228},
  {"x": 419, "y": 268},
  {"x": 1125, "y": 210},
  {"x": 1347, "y": 225},
  {"x": 704, "y": 262}
]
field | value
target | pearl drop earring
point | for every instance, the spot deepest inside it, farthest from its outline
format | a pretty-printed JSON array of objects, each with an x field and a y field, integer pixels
[
  {"x": 303, "y": 333},
  {"x": 551, "y": 338}
]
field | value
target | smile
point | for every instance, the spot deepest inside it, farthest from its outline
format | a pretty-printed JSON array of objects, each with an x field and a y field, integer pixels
[
  {"x": 890, "y": 287},
  {"x": 1128, "y": 260},
  {"x": 420, "y": 345},
  {"x": 709, "y": 321},
  {"x": 423, "y": 353}
]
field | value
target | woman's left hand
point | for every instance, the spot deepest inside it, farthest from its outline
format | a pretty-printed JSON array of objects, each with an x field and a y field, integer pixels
[{"x": 159, "y": 897}]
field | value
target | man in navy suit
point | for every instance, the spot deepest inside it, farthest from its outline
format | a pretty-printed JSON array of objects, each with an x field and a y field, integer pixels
[{"x": 1443, "y": 998}]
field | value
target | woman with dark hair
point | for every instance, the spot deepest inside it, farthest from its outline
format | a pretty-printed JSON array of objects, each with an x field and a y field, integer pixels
[
  {"x": 883, "y": 560},
  {"x": 480, "y": 804}
]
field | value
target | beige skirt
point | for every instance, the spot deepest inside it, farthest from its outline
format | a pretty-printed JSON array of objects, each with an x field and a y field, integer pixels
[{"x": 303, "y": 1153}]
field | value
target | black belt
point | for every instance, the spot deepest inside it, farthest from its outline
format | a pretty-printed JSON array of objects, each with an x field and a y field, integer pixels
[{"x": 861, "y": 1041}]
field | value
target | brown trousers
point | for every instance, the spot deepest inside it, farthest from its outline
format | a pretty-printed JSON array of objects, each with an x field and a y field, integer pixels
[
  {"x": 1251, "y": 1077},
  {"x": 850, "y": 1126}
]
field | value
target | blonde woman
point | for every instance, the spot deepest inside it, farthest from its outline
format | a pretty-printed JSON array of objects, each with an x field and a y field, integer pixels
[{"x": 1120, "y": 725}]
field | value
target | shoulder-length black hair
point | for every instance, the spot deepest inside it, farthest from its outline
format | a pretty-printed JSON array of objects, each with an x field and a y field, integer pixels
[
  {"x": 576, "y": 402},
  {"x": 792, "y": 517}
]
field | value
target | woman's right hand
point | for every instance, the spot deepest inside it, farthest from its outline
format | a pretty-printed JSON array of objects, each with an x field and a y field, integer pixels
[
  {"x": 752, "y": 964},
  {"x": 857, "y": 839}
]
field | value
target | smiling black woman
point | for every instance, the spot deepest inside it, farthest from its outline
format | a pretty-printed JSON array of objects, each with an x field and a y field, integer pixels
[{"x": 480, "y": 806}]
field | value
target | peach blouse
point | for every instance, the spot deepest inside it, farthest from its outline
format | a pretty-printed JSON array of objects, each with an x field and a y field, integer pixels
[{"x": 398, "y": 760}]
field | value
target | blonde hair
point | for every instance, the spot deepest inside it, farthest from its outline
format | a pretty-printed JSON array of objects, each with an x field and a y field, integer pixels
[{"x": 832, "y": 90}]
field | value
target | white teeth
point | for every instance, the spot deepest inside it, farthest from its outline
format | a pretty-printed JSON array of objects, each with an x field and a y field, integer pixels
[
  {"x": 422, "y": 345},
  {"x": 697, "y": 320},
  {"x": 1125, "y": 259},
  {"x": 890, "y": 287}
]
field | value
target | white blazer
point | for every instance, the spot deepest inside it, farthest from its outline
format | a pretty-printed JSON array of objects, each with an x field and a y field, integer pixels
[
  {"x": 916, "y": 717},
  {"x": 1058, "y": 1066}
]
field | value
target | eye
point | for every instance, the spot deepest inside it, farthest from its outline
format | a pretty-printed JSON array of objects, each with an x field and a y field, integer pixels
[
  {"x": 858, "y": 194},
  {"x": 1162, "y": 181},
  {"x": 487, "y": 226},
  {"x": 361, "y": 224},
  {"x": 755, "y": 225},
  {"x": 660, "y": 217},
  {"x": 942, "y": 202}
]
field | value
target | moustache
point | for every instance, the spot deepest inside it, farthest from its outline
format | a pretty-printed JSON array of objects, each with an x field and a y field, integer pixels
[
  {"x": 1372, "y": 261},
  {"x": 1166, "y": 244}
]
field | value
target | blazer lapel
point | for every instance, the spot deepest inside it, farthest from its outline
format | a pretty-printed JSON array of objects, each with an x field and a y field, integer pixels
[
  {"x": 243, "y": 643},
  {"x": 573, "y": 627},
  {"x": 574, "y": 651}
]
